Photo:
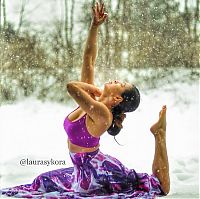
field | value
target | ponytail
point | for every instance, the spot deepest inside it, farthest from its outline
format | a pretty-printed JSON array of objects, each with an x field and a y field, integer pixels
[
  {"x": 114, "y": 128},
  {"x": 131, "y": 100}
]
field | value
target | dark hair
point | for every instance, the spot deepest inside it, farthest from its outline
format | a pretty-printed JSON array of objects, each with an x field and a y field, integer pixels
[{"x": 131, "y": 100}]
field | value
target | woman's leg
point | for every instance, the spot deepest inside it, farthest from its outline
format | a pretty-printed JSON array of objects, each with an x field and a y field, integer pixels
[{"x": 160, "y": 165}]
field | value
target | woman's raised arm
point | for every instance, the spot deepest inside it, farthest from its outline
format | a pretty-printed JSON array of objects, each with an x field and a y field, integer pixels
[{"x": 90, "y": 52}]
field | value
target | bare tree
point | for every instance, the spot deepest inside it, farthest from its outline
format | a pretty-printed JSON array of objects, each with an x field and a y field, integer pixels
[
  {"x": 66, "y": 23},
  {"x": 0, "y": 15},
  {"x": 72, "y": 20},
  {"x": 68, "y": 29},
  {"x": 21, "y": 15},
  {"x": 117, "y": 33},
  {"x": 187, "y": 16},
  {"x": 71, "y": 52},
  {"x": 4, "y": 14},
  {"x": 196, "y": 19},
  {"x": 107, "y": 39}
]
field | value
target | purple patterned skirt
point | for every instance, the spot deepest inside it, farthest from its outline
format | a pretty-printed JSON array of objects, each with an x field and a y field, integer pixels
[{"x": 94, "y": 175}]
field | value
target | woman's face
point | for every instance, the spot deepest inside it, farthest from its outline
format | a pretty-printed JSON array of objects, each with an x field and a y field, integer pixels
[{"x": 115, "y": 88}]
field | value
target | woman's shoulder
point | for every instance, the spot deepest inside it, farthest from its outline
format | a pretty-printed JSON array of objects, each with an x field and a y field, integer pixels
[{"x": 100, "y": 125}]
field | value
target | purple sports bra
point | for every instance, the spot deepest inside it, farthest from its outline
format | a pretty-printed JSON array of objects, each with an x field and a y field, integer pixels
[{"x": 78, "y": 134}]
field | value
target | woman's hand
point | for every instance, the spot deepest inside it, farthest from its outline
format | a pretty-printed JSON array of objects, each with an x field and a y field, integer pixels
[
  {"x": 89, "y": 88},
  {"x": 99, "y": 16},
  {"x": 97, "y": 92}
]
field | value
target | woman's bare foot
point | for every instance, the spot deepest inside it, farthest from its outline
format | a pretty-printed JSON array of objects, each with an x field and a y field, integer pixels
[{"x": 160, "y": 126}]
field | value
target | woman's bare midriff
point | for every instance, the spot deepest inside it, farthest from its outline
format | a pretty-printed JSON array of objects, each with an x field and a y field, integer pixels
[{"x": 77, "y": 149}]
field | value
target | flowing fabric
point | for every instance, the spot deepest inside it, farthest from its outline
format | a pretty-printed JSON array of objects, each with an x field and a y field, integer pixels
[{"x": 94, "y": 175}]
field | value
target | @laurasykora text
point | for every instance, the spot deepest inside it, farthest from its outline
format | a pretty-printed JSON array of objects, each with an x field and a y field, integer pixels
[{"x": 27, "y": 162}]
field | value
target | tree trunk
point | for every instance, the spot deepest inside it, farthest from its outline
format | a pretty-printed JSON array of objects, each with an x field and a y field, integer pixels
[
  {"x": 0, "y": 15},
  {"x": 72, "y": 20},
  {"x": 117, "y": 44},
  {"x": 196, "y": 19},
  {"x": 71, "y": 52},
  {"x": 66, "y": 23},
  {"x": 4, "y": 14},
  {"x": 187, "y": 16},
  {"x": 107, "y": 41},
  {"x": 21, "y": 15}
]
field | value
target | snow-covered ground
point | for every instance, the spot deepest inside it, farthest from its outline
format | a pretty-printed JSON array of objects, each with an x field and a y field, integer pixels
[{"x": 34, "y": 130}]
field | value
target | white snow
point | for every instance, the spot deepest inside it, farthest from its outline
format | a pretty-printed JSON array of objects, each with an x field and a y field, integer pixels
[{"x": 34, "y": 130}]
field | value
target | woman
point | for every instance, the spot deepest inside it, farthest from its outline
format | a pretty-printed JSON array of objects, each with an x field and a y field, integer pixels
[{"x": 95, "y": 174}]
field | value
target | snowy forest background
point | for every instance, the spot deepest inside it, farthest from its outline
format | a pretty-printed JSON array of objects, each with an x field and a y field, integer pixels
[
  {"x": 150, "y": 39},
  {"x": 151, "y": 43}
]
